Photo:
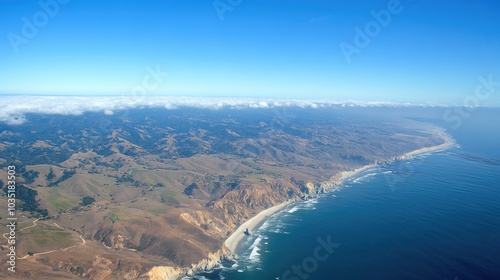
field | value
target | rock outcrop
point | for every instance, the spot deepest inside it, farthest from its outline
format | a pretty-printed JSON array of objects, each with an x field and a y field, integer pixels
[
  {"x": 222, "y": 217},
  {"x": 164, "y": 273}
]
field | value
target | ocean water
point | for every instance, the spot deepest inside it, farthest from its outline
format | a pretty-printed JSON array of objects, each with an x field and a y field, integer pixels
[{"x": 435, "y": 216}]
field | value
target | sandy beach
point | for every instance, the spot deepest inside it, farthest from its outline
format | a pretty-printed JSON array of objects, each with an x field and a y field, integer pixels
[
  {"x": 448, "y": 142},
  {"x": 235, "y": 239}
]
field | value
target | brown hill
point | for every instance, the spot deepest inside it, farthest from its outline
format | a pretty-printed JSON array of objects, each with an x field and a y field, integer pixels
[{"x": 170, "y": 186}]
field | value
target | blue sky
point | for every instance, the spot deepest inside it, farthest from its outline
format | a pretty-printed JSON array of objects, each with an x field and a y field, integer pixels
[{"x": 429, "y": 51}]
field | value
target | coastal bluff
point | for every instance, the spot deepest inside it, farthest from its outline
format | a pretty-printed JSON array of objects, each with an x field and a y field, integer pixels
[{"x": 172, "y": 192}]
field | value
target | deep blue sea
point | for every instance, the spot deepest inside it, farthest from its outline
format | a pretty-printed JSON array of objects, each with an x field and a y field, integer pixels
[{"x": 436, "y": 216}]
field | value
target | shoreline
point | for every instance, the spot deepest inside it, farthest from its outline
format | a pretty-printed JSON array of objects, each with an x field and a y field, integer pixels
[
  {"x": 233, "y": 242},
  {"x": 448, "y": 142},
  {"x": 345, "y": 175}
]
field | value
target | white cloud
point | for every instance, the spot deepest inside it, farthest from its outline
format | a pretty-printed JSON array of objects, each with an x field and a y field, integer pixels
[{"x": 13, "y": 109}]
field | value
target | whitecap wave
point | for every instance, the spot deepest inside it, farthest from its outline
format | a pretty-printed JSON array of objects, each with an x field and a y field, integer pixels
[
  {"x": 254, "y": 255},
  {"x": 364, "y": 178}
]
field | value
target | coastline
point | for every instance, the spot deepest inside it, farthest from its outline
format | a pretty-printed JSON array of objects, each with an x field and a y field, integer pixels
[
  {"x": 345, "y": 175},
  {"x": 234, "y": 240},
  {"x": 448, "y": 142}
]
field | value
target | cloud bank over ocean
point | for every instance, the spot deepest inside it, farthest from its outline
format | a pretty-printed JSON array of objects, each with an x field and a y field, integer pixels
[{"x": 13, "y": 109}]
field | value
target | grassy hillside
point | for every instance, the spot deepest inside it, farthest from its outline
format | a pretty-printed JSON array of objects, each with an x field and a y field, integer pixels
[{"x": 169, "y": 186}]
